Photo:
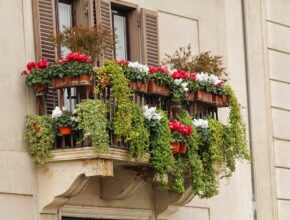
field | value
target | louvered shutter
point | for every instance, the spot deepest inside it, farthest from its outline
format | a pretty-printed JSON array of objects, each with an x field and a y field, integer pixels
[
  {"x": 45, "y": 27},
  {"x": 103, "y": 16},
  {"x": 149, "y": 37}
]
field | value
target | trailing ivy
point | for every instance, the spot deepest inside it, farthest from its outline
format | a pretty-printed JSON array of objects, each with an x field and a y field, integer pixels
[
  {"x": 40, "y": 134},
  {"x": 139, "y": 135},
  {"x": 178, "y": 174},
  {"x": 235, "y": 141},
  {"x": 122, "y": 123},
  {"x": 161, "y": 158},
  {"x": 91, "y": 119}
]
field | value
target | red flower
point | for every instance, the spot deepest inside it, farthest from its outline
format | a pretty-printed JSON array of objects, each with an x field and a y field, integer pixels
[
  {"x": 24, "y": 73},
  {"x": 193, "y": 76},
  {"x": 43, "y": 64},
  {"x": 179, "y": 127},
  {"x": 220, "y": 83},
  {"x": 76, "y": 56},
  {"x": 30, "y": 66},
  {"x": 121, "y": 62},
  {"x": 155, "y": 69},
  {"x": 180, "y": 74}
]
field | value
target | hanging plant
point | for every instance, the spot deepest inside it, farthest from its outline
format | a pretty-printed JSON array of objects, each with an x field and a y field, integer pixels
[
  {"x": 161, "y": 158},
  {"x": 122, "y": 122},
  {"x": 40, "y": 134},
  {"x": 91, "y": 119},
  {"x": 235, "y": 141},
  {"x": 139, "y": 135}
]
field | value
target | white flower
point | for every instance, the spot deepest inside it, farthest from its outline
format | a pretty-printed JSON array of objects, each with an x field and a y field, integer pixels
[
  {"x": 64, "y": 108},
  {"x": 74, "y": 111},
  {"x": 139, "y": 67},
  {"x": 184, "y": 86},
  {"x": 203, "y": 77},
  {"x": 214, "y": 79},
  {"x": 150, "y": 113},
  {"x": 200, "y": 123},
  {"x": 73, "y": 118},
  {"x": 177, "y": 81},
  {"x": 56, "y": 112}
]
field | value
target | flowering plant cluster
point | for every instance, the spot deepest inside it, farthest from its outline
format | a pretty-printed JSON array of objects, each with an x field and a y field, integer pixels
[
  {"x": 179, "y": 131},
  {"x": 134, "y": 71},
  {"x": 36, "y": 74},
  {"x": 150, "y": 113},
  {"x": 74, "y": 64},
  {"x": 200, "y": 123},
  {"x": 156, "y": 69},
  {"x": 63, "y": 118},
  {"x": 180, "y": 74},
  {"x": 121, "y": 62}
]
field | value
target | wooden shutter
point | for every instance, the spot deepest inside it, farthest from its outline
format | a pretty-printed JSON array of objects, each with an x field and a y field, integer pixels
[
  {"x": 45, "y": 27},
  {"x": 103, "y": 16},
  {"x": 149, "y": 37}
]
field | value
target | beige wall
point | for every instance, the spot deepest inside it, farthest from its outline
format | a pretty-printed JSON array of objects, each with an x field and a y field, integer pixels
[{"x": 17, "y": 184}]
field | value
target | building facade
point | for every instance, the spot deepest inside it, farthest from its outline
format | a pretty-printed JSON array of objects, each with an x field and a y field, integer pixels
[{"x": 252, "y": 36}]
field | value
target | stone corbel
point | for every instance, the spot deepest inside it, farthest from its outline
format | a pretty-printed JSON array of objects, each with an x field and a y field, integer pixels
[{"x": 60, "y": 180}]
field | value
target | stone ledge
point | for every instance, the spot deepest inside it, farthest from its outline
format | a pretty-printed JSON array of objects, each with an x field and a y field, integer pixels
[{"x": 119, "y": 156}]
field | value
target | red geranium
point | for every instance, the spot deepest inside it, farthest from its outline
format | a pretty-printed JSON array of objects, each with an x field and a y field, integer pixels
[
  {"x": 76, "y": 56},
  {"x": 193, "y": 76},
  {"x": 179, "y": 127},
  {"x": 30, "y": 66},
  {"x": 121, "y": 62},
  {"x": 155, "y": 69},
  {"x": 43, "y": 64},
  {"x": 180, "y": 74}
]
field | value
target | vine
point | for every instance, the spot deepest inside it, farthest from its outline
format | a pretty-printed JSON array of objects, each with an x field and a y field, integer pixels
[
  {"x": 91, "y": 119},
  {"x": 40, "y": 134}
]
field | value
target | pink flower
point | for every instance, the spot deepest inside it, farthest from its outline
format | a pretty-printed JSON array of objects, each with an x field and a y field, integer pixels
[
  {"x": 121, "y": 62},
  {"x": 24, "y": 73},
  {"x": 155, "y": 69},
  {"x": 193, "y": 76}
]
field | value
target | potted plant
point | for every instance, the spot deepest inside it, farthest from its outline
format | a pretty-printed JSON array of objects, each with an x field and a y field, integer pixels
[
  {"x": 180, "y": 132},
  {"x": 75, "y": 69},
  {"x": 36, "y": 76},
  {"x": 138, "y": 76},
  {"x": 159, "y": 81},
  {"x": 64, "y": 121}
]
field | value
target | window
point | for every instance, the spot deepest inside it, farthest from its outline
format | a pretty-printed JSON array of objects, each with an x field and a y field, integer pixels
[{"x": 120, "y": 26}]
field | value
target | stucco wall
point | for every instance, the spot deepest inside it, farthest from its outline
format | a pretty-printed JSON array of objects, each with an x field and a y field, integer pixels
[{"x": 17, "y": 171}]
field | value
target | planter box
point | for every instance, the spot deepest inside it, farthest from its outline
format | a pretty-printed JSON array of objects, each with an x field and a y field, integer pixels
[
  {"x": 39, "y": 88},
  {"x": 220, "y": 101},
  {"x": 138, "y": 86},
  {"x": 156, "y": 89},
  {"x": 203, "y": 96},
  {"x": 83, "y": 80},
  {"x": 189, "y": 96}
]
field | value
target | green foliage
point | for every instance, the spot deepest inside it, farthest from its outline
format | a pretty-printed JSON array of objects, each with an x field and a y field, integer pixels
[
  {"x": 37, "y": 77},
  {"x": 122, "y": 123},
  {"x": 161, "y": 158},
  {"x": 71, "y": 69},
  {"x": 91, "y": 119},
  {"x": 40, "y": 135},
  {"x": 235, "y": 141},
  {"x": 135, "y": 75},
  {"x": 92, "y": 41},
  {"x": 162, "y": 79},
  {"x": 65, "y": 120},
  {"x": 178, "y": 174},
  {"x": 139, "y": 135}
]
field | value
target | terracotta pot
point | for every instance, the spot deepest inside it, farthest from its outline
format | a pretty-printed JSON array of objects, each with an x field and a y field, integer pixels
[
  {"x": 154, "y": 88},
  {"x": 189, "y": 96},
  {"x": 182, "y": 149},
  {"x": 36, "y": 127},
  {"x": 58, "y": 83},
  {"x": 40, "y": 88},
  {"x": 73, "y": 81},
  {"x": 138, "y": 86},
  {"x": 85, "y": 79},
  {"x": 225, "y": 99},
  {"x": 203, "y": 96},
  {"x": 175, "y": 147},
  {"x": 65, "y": 131}
]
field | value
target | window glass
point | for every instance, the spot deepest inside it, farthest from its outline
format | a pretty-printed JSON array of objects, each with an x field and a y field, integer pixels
[
  {"x": 64, "y": 20},
  {"x": 120, "y": 22}
]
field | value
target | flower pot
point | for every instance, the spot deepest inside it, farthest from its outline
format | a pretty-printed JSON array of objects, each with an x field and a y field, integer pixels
[
  {"x": 175, "y": 148},
  {"x": 65, "y": 131},
  {"x": 73, "y": 81},
  {"x": 40, "y": 88},
  {"x": 182, "y": 149},
  {"x": 138, "y": 86},
  {"x": 36, "y": 127},
  {"x": 225, "y": 99},
  {"x": 58, "y": 83},
  {"x": 189, "y": 96},
  {"x": 203, "y": 96},
  {"x": 154, "y": 88},
  {"x": 85, "y": 80},
  {"x": 220, "y": 101}
]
